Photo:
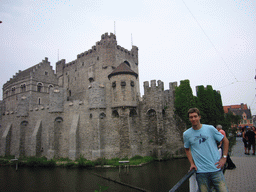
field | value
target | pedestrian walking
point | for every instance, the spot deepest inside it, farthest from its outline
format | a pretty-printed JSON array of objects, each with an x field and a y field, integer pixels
[
  {"x": 245, "y": 141},
  {"x": 250, "y": 136}
]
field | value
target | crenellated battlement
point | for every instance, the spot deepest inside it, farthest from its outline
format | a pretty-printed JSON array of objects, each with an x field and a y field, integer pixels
[
  {"x": 159, "y": 86},
  {"x": 106, "y": 40},
  {"x": 61, "y": 62},
  {"x": 87, "y": 53},
  {"x": 172, "y": 86},
  {"x": 111, "y": 36}
]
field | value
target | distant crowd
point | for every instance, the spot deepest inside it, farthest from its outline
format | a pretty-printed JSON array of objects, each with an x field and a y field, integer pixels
[{"x": 249, "y": 136}]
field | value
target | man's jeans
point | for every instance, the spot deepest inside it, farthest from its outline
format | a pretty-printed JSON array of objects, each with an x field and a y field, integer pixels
[{"x": 206, "y": 180}]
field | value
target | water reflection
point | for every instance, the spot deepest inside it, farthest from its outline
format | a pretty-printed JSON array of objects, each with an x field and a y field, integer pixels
[{"x": 157, "y": 176}]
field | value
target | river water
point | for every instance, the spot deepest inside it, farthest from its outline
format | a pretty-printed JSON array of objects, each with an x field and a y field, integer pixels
[{"x": 155, "y": 177}]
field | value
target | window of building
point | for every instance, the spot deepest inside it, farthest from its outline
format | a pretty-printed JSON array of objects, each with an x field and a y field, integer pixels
[
  {"x": 13, "y": 90},
  {"x": 132, "y": 83},
  {"x": 91, "y": 79},
  {"x": 46, "y": 73},
  {"x": 127, "y": 63},
  {"x": 59, "y": 119},
  {"x": 23, "y": 87},
  {"x": 115, "y": 113},
  {"x": 39, "y": 101},
  {"x": 151, "y": 113},
  {"x": 123, "y": 83},
  {"x": 133, "y": 113},
  {"x": 39, "y": 87},
  {"x": 49, "y": 87},
  {"x": 102, "y": 115}
]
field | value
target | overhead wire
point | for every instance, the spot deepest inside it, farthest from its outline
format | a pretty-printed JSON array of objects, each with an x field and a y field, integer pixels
[
  {"x": 210, "y": 41},
  {"x": 217, "y": 51}
]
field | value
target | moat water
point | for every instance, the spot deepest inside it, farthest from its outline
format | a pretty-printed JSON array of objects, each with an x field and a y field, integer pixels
[{"x": 156, "y": 176}]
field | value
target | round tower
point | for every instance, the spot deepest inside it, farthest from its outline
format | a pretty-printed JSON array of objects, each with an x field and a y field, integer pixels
[{"x": 123, "y": 86}]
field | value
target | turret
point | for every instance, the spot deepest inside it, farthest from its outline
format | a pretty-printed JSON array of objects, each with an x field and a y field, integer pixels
[
  {"x": 60, "y": 70},
  {"x": 123, "y": 86}
]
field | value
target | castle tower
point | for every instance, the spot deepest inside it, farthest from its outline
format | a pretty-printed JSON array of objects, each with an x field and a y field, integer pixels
[{"x": 123, "y": 82}]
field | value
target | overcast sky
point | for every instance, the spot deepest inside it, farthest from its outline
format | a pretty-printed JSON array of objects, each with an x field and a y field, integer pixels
[{"x": 208, "y": 42}]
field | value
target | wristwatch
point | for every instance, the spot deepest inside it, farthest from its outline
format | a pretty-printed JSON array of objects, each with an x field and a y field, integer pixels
[{"x": 224, "y": 156}]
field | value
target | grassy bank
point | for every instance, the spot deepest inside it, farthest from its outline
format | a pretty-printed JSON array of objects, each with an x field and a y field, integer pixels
[{"x": 65, "y": 162}]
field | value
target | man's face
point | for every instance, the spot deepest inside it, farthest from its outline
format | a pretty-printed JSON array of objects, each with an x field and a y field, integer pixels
[{"x": 194, "y": 119}]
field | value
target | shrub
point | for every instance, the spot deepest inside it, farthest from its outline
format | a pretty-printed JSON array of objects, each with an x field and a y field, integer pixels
[
  {"x": 64, "y": 159},
  {"x": 4, "y": 162},
  {"x": 70, "y": 164},
  {"x": 89, "y": 164},
  {"x": 101, "y": 161},
  {"x": 40, "y": 162},
  {"x": 136, "y": 157}
]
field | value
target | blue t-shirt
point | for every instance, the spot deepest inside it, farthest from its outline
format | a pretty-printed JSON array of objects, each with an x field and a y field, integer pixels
[{"x": 203, "y": 146}]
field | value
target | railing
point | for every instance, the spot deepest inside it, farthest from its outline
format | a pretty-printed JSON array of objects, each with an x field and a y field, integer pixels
[
  {"x": 15, "y": 160},
  {"x": 187, "y": 176}
]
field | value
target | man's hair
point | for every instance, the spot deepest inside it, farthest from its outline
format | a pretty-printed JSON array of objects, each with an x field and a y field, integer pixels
[
  {"x": 194, "y": 110},
  {"x": 219, "y": 127}
]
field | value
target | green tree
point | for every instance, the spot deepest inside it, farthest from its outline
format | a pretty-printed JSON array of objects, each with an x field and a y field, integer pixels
[
  {"x": 207, "y": 105},
  {"x": 184, "y": 100},
  {"x": 220, "y": 111},
  {"x": 233, "y": 119}
]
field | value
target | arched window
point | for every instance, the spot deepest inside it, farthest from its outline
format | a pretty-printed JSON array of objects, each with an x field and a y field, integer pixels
[
  {"x": 39, "y": 87},
  {"x": 58, "y": 119},
  {"x": 49, "y": 87},
  {"x": 115, "y": 113},
  {"x": 151, "y": 113}
]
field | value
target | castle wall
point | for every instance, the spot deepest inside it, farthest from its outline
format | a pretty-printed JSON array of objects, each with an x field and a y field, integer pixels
[{"x": 86, "y": 114}]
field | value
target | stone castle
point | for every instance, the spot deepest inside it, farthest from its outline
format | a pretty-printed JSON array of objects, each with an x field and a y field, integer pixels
[{"x": 89, "y": 107}]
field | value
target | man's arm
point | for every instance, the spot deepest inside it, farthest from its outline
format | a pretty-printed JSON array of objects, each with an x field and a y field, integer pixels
[
  {"x": 222, "y": 160},
  {"x": 190, "y": 158}
]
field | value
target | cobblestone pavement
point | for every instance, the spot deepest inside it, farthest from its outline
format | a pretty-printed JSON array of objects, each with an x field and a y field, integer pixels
[{"x": 243, "y": 177}]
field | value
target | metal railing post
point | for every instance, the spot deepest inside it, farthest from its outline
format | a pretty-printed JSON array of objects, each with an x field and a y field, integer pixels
[{"x": 187, "y": 176}]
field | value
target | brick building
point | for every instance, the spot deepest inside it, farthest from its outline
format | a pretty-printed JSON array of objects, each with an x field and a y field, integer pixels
[{"x": 241, "y": 110}]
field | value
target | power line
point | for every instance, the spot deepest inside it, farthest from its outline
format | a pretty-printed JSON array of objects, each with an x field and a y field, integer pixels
[
  {"x": 233, "y": 83},
  {"x": 210, "y": 41}
]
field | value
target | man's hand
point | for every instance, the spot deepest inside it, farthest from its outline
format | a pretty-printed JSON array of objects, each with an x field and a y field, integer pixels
[
  {"x": 221, "y": 162},
  {"x": 193, "y": 166}
]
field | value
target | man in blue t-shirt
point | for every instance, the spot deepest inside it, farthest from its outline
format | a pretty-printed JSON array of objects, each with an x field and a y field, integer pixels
[{"x": 203, "y": 155}]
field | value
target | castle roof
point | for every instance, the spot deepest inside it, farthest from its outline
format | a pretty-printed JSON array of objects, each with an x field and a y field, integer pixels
[{"x": 123, "y": 68}]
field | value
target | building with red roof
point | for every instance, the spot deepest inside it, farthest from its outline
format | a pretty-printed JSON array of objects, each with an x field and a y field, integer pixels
[{"x": 243, "y": 111}]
